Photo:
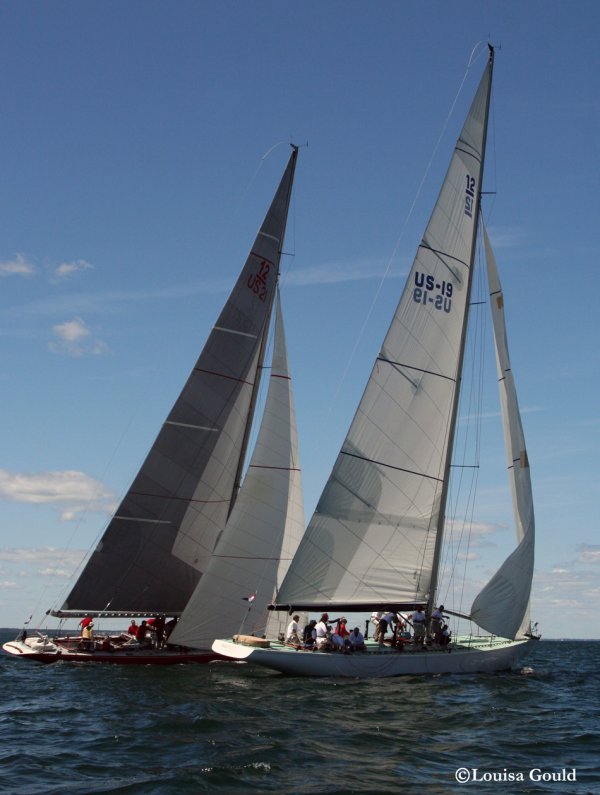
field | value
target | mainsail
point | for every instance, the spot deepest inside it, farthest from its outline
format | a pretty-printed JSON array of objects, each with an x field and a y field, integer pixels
[
  {"x": 374, "y": 537},
  {"x": 264, "y": 529},
  {"x": 502, "y": 607},
  {"x": 162, "y": 536}
]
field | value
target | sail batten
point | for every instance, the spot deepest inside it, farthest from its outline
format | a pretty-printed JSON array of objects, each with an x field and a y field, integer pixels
[{"x": 154, "y": 550}]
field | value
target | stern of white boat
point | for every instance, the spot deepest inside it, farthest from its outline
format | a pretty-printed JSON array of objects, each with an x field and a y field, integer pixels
[{"x": 235, "y": 649}]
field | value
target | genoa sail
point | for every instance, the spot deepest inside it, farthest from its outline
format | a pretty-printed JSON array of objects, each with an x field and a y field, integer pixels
[
  {"x": 161, "y": 538},
  {"x": 264, "y": 529},
  {"x": 502, "y": 607},
  {"x": 373, "y": 538}
]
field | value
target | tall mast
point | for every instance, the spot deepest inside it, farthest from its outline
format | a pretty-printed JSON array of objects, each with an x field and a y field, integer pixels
[
  {"x": 263, "y": 348},
  {"x": 454, "y": 416}
]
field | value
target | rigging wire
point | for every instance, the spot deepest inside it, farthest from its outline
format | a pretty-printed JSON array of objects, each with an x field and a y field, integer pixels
[
  {"x": 473, "y": 58},
  {"x": 463, "y": 495}
]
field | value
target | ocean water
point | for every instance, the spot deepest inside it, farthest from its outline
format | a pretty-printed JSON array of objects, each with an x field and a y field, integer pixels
[{"x": 231, "y": 728}]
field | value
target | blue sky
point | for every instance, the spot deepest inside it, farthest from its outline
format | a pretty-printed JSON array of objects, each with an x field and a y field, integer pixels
[{"x": 135, "y": 173}]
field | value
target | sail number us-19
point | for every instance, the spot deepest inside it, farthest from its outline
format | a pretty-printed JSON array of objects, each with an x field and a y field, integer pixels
[{"x": 427, "y": 291}]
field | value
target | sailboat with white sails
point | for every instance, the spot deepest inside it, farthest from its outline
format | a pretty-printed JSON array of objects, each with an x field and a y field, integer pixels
[
  {"x": 374, "y": 542},
  {"x": 187, "y": 542}
]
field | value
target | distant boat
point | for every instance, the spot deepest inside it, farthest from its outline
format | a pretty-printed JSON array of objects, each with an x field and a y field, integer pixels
[
  {"x": 374, "y": 542},
  {"x": 186, "y": 543}
]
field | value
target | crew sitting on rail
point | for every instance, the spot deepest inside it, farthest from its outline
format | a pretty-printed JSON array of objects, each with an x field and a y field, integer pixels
[
  {"x": 356, "y": 640},
  {"x": 443, "y": 636},
  {"x": 337, "y": 643},
  {"x": 309, "y": 636}
]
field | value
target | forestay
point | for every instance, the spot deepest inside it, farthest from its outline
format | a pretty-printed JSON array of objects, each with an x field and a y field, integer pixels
[
  {"x": 160, "y": 539},
  {"x": 372, "y": 538},
  {"x": 502, "y": 607}
]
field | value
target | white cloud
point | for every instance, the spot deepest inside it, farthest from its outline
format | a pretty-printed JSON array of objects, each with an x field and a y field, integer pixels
[
  {"x": 51, "y": 571},
  {"x": 508, "y": 237},
  {"x": 469, "y": 556},
  {"x": 73, "y": 339},
  {"x": 71, "y": 491},
  {"x": 454, "y": 528},
  {"x": 589, "y": 554},
  {"x": 336, "y": 272},
  {"x": 43, "y": 556},
  {"x": 67, "y": 269},
  {"x": 72, "y": 331},
  {"x": 17, "y": 267}
]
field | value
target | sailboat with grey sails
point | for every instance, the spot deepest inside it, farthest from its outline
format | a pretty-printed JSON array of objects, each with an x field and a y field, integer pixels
[
  {"x": 188, "y": 521},
  {"x": 374, "y": 542}
]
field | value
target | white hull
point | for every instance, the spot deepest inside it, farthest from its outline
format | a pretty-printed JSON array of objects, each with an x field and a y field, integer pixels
[
  {"x": 38, "y": 649},
  {"x": 475, "y": 655}
]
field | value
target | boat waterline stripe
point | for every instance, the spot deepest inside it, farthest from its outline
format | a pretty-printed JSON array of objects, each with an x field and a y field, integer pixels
[
  {"x": 271, "y": 237},
  {"x": 417, "y": 369},
  {"x": 391, "y": 466},
  {"x": 233, "y": 331},
  {"x": 194, "y": 427},
  {"x": 222, "y": 375}
]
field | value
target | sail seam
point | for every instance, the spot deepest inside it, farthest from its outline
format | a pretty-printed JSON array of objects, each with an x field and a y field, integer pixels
[
  {"x": 172, "y": 497},
  {"x": 474, "y": 154},
  {"x": 390, "y": 466},
  {"x": 441, "y": 254},
  {"x": 261, "y": 257},
  {"x": 248, "y": 557},
  {"x": 266, "y": 466},
  {"x": 418, "y": 369},
  {"x": 222, "y": 375}
]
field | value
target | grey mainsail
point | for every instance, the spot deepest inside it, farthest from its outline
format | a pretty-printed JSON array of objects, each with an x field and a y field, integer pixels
[{"x": 161, "y": 538}]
